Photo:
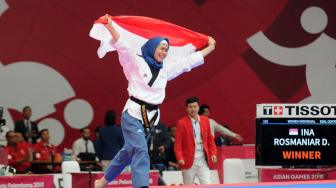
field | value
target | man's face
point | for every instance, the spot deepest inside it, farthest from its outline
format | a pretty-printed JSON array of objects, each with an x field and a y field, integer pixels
[
  {"x": 206, "y": 112},
  {"x": 27, "y": 112},
  {"x": 19, "y": 137},
  {"x": 192, "y": 109},
  {"x": 11, "y": 138},
  {"x": 45, "y": 136},
  {"x": 161, "y": 52},
  {"x": 86, "y": 133}
]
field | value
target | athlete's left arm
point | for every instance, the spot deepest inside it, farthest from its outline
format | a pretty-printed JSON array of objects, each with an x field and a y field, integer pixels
[{"x": 184, "y": 64}]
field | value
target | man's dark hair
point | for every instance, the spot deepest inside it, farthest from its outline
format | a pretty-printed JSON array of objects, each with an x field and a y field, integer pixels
[
  {"x": 191, "y": 100},
  {"x": 97, "y": 129},
  {"x": 110, "y": 118},
  {"x": 82, "y": 129},
  {"x": 10, "y": 131},
  {"x": 202, "y": 108},
  {"x": 25, "y": 108},
  {"x": 43, "y": 131}
]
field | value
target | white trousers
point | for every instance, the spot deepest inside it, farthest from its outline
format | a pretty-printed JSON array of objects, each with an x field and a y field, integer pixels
[{"x": 200, "y": 170}]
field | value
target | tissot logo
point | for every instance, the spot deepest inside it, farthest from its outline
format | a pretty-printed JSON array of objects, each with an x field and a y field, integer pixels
[
  {"x": 278, "y": 110},
  {"x": 267, "y": 110},
  {"x": 296, "y": 110},
  {"x": 272, "y": 110}
]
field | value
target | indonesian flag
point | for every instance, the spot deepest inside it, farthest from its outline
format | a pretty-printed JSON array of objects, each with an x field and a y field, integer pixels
[
  {"x": 293, "y": 132},
  {"x": 137, "y": 30}
]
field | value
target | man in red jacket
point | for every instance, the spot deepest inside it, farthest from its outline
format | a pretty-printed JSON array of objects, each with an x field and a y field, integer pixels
[
  {"x": 194, "y": 145},
  {"x": 18, "y": 155},
  {"x": 47, "y": 152},
  {"x": 44, "y": 150}
]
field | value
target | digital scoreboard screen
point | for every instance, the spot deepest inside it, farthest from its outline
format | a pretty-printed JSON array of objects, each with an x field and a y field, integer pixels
[{"x": 282, "y": 140}]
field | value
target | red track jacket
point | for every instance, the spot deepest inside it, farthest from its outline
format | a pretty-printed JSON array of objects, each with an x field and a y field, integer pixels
[{"x": 184, "y": 145}]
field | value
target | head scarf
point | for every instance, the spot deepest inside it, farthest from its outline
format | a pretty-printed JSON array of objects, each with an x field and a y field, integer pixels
[{"x": 148, "y": 51}]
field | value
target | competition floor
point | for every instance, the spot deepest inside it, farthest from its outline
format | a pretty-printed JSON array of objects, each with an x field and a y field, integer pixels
[{"x": 306, "y": 184}]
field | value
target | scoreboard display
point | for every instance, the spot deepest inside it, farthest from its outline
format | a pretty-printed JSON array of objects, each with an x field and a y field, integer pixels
[{"x": 286, "y": 136}]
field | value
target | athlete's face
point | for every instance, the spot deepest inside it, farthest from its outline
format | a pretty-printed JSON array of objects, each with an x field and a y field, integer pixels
[{"x": 161, "y": 52}]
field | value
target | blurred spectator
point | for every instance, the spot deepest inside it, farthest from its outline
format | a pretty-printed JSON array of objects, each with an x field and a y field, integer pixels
[
  {"x": 110, "y": 139},
  {"x": 215, "y": 127},
  {"x": 83, "y": 144},
  {"x": 18, "y": 155},
  {"x": 158, "y": 143},
  {"x": 171, "y": 158},
  {"x": 26, "y": 127},
  {"x": 83, "y": 150},
  {"x": 21, "y": 141},
  {"x": 45, "y": 151},
  {"x": 96, "y": 143},
  {"x": 25, "y": 144},
  {"x": 3, "y": 132}
]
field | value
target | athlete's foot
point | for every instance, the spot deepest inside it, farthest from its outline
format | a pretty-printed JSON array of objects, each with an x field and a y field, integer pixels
[{"x": 100, "y": 183}]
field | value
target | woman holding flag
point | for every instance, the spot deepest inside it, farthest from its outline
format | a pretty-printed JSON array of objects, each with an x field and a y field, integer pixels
[{"x": 147, "y": 75}]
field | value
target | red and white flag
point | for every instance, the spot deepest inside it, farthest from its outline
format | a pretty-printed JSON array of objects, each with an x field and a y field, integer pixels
[
  {"x": 293, "y": 132},
  {"x": 137, "y": 30}
]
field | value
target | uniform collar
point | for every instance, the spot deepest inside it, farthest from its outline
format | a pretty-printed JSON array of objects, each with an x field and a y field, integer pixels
[{"x": 193, "y": 120}]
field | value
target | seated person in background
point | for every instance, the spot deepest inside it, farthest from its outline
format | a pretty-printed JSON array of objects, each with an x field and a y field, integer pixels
[
  {"x": 171, "y": 158},
  {"x": 158, "y": 143},
  {"x": 27, "y": 127},
  {"x": 3, "y": 132},
  {"x": 83, "y": 144},
  {"x": 18, "y": 155},
  {"x": 215, "y": 127},
  {"x": 21, "y": 141},
  {"x": 45, "y": 151},
  {"x": 83, "y": 149}
]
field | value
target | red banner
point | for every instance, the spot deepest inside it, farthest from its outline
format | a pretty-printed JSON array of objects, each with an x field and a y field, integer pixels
[
  {"x": 275, "y": 175},
  {"x": 123, "y": 180},
  {"x": 27, "y": 181}
]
